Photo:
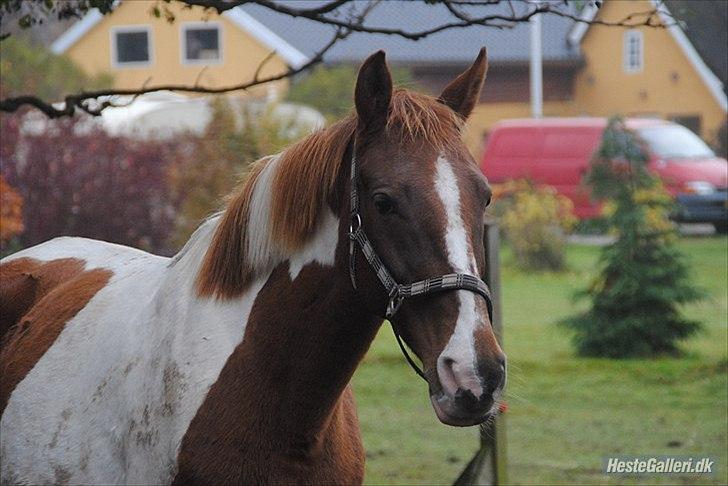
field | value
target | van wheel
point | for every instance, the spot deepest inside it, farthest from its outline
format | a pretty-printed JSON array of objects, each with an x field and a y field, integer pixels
[{"x": 721, "y": 228}]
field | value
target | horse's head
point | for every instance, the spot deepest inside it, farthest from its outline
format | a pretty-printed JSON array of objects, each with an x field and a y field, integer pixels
[{"x": 422, "y": 201}]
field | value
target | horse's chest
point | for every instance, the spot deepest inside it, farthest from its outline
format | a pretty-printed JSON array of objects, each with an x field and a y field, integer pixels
[
  {"x": 337, "y": 463},
  {"x": 223, "y": 447}
]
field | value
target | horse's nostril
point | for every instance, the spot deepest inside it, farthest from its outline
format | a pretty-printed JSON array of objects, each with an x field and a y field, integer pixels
[
  {"x": 468, "y": 401},
  {"x": 446, "y": 372},
  {"x": 466, "y": 397}
]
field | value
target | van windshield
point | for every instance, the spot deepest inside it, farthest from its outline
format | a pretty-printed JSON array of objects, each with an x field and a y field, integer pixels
[{"x": 675, "y": 142}]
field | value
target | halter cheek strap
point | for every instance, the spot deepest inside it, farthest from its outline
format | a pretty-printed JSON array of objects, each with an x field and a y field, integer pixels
[{"x": 399, "y": 292}]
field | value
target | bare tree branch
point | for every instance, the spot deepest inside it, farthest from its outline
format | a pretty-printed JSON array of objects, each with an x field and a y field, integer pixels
[
  {"x": 556, "y": 8},
  {"x": 82, "y": 100},
  {"x": 465, "y": 13}
]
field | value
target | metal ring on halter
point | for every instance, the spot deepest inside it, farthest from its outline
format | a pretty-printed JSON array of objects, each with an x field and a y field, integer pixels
[{"x": 354, "y": 218}]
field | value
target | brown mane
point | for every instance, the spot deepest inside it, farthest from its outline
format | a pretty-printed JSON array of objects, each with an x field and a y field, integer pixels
[{"x": 305, "y": 178}]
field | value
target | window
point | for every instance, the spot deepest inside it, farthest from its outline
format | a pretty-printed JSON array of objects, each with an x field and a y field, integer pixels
[
  {"x": 200, "y": 43},
  {"x": 675, "y": 142},
  {"x": 633, "y": 51},
  {"x": 131, "y": 46},
  {"x": 692, "y": 122}
]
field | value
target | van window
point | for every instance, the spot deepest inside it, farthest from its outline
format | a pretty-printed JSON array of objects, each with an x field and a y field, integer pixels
[{"x": 675, "y": 142}]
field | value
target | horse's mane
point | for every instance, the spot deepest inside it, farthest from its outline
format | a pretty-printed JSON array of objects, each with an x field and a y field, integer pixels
[{"x": 303, "y": 179}]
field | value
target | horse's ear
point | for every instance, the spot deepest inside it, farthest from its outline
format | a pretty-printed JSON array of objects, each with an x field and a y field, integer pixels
[
  {"x": 463, "y": 92},
  {"x": 373, "y": 92}
]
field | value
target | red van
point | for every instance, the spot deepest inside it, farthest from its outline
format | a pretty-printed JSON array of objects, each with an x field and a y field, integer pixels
[{"x": 556, "y": 151}]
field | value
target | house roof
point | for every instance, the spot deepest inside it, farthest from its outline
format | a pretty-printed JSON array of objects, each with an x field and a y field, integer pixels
[
  {"x": 296, "y": 40},
  {"x": 704, "y": 21},
  {"x": 453, "y": 46},
  {"x": 282, "y": 33}
]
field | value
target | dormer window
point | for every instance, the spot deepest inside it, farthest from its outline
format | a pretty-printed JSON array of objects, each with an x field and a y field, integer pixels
[
  {"x": 131, "y": 46},
  {"x": 201, "y": 43},
  {"x": 633, "y": 51}
]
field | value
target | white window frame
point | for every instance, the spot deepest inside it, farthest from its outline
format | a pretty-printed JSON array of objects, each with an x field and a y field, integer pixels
[
  {"x": 184, "y": 27},
  {"x": 630, "y": 36},
  {"x": 124, "y": 29}
]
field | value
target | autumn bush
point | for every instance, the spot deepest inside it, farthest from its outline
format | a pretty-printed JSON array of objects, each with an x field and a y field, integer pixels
[
  {"x": 236, "y": 136},
  {"x": 75, "y": 179},
  {"x": 535, "y": 220},
  {"x": 11, "y": 213}
]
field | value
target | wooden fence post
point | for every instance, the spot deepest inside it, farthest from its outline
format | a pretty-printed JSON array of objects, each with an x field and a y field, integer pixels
[{"x": 489, "y": 465}]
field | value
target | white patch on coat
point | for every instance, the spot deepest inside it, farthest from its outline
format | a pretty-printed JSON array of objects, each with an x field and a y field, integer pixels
[
  {"x": 321, "y": 248},
  {"x": 461, "y": 346},
  {"x": 112, "y": 398}
]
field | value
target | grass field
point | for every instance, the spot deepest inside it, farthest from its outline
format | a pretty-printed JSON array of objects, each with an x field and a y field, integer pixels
[{"x": 565, "y": 413}]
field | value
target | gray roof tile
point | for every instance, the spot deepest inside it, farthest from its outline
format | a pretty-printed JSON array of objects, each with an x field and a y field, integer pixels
[{"x": 455, "y": 46}]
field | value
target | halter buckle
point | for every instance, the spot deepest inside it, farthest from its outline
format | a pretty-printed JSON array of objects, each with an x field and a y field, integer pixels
[{"x": 395, "y": 301}]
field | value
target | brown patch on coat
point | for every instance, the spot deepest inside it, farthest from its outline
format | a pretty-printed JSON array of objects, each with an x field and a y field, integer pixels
[
  {"x": 17, "y": 294},
  {"x": 281, "y": 410},
  {"x": 60, "y": 289}
]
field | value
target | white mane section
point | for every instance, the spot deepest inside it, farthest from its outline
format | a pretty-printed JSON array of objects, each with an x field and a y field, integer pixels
[{"x": 263, "y": 252}]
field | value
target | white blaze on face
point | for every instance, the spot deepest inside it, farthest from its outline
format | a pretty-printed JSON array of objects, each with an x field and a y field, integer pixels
[{"x": 461, "y": 346}]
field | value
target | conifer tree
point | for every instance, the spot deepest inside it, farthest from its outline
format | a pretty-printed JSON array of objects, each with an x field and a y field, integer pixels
[{"x": 636, "y": 298}]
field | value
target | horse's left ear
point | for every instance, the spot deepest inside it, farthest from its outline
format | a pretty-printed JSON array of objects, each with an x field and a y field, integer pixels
[
  {"x": 463, "y": 92},
  {"x": 373, "y": 92}
]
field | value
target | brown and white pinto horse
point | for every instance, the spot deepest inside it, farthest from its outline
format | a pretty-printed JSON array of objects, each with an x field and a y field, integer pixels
[{"x": 230, "y": 363}]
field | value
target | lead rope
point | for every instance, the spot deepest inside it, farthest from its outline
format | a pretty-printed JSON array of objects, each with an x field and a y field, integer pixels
[
  {"x": 407, "y": 356},
  {"x": 398, "y": 292}
]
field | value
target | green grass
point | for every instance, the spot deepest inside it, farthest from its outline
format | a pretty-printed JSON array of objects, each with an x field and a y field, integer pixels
[{"x": 565, "y": 413}]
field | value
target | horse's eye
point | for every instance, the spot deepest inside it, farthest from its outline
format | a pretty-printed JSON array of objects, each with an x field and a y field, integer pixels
[{"x": 383, "y": 203}]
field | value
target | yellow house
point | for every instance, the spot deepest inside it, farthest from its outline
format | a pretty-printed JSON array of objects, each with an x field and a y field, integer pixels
[
  {"x": 638, "y": 72},
  {"x": 645, "y": 71},
  {"x": 199, "y": 48},
  {"x": 591, "y": 70}
]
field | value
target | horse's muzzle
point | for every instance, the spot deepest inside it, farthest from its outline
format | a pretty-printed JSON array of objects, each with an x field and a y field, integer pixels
[
  {"x": 463, "y": 409},
  {"x": 455, "y": 403}
]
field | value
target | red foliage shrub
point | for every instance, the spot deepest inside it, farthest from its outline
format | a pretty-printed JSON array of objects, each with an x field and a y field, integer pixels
[
  {"x": 78, "y": 180},
  {"x": 11, "y": 212}
]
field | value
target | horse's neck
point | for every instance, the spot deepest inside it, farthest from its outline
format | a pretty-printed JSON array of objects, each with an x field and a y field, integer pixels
[{"x": 304, "y": 336}]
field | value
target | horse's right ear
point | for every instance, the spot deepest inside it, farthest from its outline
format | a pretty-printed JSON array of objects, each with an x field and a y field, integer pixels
[{"x": 373, "y": 92}]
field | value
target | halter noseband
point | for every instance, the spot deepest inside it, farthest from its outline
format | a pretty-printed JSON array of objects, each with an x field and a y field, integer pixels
[{"x": 399, "y": 292}]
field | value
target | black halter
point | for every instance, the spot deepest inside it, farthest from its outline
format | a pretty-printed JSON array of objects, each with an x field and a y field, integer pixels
[{"x": 399, "y": 292}]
